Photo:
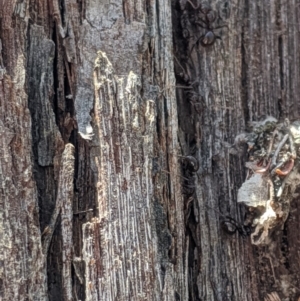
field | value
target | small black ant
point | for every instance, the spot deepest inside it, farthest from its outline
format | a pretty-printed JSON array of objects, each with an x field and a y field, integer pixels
[{"x": 210, "y": 16}]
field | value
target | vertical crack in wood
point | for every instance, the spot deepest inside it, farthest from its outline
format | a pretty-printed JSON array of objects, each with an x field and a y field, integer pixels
[{"x": 244, "y": 66}]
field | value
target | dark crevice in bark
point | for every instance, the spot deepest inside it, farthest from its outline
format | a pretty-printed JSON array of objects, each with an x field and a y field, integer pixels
[
  {"x": 54, "y": 265},
  {"x": 64, "y": 117},
  {"x": 73, "y": 139},
  {"x": 62, "y": 10},
  {"x": 244, "y": 70},
  {"x": 281, "y": 75},
  {"x": 280, "y": 52},
  {"x": 126, "y": 12},
  {"x": 55, "y": 77},
  {"x": 280, "y": 108},
  {"x": 164, "y": 238},
  {"x": 189, "y": 118},
  {"x": 285, "y": 247},
  {"x": 1, "y": 288},
  {"x": 158, "y": 125},
  {"x": 177, "y": 297},
  {"x": 147, "y": 8},
  {"x": 157, "y": 15},
  {"x": 5, "y": 49},
  {"x": 193, "y": 261},
  {"x": 44, "y": 177},
  {"x": 81, "y": 10},
  {"x": 78, "y": 287}
]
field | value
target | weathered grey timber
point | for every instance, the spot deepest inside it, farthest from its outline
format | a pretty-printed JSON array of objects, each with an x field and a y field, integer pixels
[{"x": 101, "y": 105}]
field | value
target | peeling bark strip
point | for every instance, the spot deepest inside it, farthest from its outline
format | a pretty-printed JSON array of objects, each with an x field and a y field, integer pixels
[
  {"x": 64, "y": 203},
  {"x": 64, "y": 194},
  {"x": 66, "y": 200}
]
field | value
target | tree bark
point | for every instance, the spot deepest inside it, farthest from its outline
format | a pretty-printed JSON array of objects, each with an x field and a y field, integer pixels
[{"x": 120, "y": 161}]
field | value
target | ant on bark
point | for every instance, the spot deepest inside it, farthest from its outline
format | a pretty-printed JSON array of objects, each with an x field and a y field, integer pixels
[
  {"x": 231, "y": 225},
  {"x": 210, "y": 16},
  {"x": 190, "y": 167},
  {"x": 228, "y": 224}
]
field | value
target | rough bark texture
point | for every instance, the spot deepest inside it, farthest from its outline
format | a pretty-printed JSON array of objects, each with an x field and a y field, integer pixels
[{"x": 104, "y": 107}]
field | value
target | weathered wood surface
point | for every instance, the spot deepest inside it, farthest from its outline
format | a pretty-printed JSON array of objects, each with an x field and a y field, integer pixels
[
  {"x": 241, "y": 78},
  {"x": 22, "y": 268},
  {"x": 123, "y": 83}
]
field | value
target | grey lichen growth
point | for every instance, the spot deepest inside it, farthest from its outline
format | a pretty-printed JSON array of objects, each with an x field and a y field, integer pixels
[{"x": 273, "y": 150}]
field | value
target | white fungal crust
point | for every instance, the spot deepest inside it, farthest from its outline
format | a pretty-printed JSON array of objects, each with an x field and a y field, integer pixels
[
  {"x": 254, "y": 191},
  {"x": 272, "y": 176}
]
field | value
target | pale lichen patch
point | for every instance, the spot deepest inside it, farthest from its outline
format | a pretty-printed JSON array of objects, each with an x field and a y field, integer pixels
[{"x": 272, "y": 174}]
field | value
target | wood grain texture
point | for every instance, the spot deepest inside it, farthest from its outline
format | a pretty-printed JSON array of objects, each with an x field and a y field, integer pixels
[
  {"x": 22, "y": 268},
  {"x": 241, "y": 78},
  {"x": 127, "y": 84}
]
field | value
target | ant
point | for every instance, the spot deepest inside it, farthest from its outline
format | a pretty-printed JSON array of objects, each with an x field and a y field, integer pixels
[
  {"x": 210, "y": 16},
  {"x": 231, "y": 226}
]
